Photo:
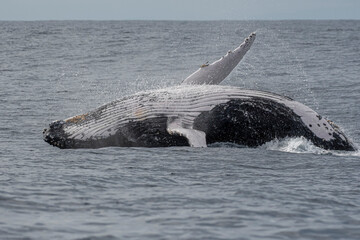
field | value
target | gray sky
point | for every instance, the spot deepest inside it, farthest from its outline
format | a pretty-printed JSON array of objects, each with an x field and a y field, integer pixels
[{"x": 178, "y": 10}]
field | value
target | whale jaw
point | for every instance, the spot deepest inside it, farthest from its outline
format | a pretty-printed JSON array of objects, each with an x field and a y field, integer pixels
[{"x": 147, "y": 133}]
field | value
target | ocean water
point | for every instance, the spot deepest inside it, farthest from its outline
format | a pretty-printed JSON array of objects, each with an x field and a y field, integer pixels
[{"x": 286, "y": 189}]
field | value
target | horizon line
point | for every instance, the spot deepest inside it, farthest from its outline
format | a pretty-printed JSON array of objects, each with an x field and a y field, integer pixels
[{"x": 182, "y": 20}]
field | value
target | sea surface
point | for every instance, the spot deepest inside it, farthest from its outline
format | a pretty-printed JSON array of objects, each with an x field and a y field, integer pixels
[{"x": 285, "y": 189}]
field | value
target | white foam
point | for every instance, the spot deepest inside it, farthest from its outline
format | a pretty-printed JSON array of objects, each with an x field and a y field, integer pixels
[
  {"x": 302, "y": 145},
  {"x": 293, "y": 145}
]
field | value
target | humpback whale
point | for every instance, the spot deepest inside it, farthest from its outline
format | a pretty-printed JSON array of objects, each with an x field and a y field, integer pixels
[{"x": 196, "y": 113}]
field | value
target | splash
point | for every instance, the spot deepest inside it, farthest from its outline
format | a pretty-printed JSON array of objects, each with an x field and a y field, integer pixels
[
  {"x": 302, "y": 145},
  {"x": 293, "y": 145}
]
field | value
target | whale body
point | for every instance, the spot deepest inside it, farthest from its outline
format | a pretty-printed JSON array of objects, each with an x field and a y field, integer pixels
[{"x": 197, "y": 113}]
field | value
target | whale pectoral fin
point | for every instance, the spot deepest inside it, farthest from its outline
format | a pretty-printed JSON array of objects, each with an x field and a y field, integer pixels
[
  {"x": 195, "y": 138},
  {"x": 216, "y": 72}
]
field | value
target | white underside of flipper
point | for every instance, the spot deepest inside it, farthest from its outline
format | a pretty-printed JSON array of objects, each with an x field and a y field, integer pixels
[
  {"x": 195, "y": 138},
  {"x": 217, "y": 71}
]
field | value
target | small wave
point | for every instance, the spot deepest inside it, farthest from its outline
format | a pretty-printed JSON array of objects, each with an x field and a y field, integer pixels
[
  {"x": 43, "y": 32},
  {"x": 276, "y": 74},
  {"x": 107, "y": 237},
  {"x": 226, "y": 145},
  {"x": 340, "y": 30}
]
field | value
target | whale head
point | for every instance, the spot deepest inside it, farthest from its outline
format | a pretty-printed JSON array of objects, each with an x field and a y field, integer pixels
[{"x": 55, "y": 134}]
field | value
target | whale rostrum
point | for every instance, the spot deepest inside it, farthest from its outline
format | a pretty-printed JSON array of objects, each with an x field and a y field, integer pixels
[{"x": 197, "y": 113}]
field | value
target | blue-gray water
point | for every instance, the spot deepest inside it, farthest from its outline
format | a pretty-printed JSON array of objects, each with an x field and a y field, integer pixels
[{"x": 287, "y": 189}]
